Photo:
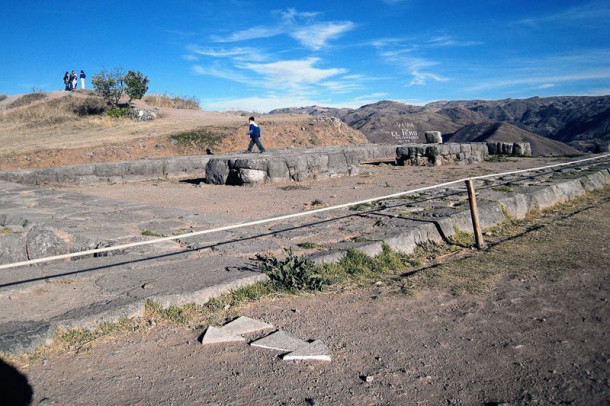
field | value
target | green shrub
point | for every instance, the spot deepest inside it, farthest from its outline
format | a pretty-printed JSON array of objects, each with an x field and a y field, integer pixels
[
  {"x": 117, "y": 112},
  {"x": 293, "y": 273}
]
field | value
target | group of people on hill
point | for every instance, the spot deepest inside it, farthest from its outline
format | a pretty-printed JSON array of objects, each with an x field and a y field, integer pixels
[{"x": 71, "y": 80}]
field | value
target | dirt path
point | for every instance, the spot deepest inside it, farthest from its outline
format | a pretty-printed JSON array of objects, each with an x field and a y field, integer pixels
[{"x": 538, "y": 334}]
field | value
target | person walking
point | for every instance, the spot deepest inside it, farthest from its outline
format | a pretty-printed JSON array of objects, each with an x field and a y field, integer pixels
[
  {"x": 82, "y": 79},
  {"x": 67, "y": 81},
  {"x": 255, "y": 134}
]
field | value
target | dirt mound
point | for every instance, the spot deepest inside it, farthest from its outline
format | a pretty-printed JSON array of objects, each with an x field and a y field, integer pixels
[{"x": 504, "y": 132}]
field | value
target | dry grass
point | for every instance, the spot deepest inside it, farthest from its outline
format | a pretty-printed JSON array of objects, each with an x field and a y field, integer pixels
[
  {"x": 174, "y": 102},
  {"x": 54, "y": 111},
  {"x": 26, "y": 99}
]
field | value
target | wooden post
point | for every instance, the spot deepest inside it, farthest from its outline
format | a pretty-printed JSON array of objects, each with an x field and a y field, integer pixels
[{"x": 474, "y": 214}]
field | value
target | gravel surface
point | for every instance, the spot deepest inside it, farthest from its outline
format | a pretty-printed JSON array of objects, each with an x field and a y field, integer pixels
[{"x": 537, "y": 334}]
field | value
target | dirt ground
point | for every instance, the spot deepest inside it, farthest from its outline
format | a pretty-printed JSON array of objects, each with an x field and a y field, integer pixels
[{"x": 536, "y": 334}]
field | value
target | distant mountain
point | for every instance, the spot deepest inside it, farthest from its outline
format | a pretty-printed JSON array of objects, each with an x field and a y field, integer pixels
[
  {"x": 581, "y": 121},
  {"x": 504, "y": 132}
]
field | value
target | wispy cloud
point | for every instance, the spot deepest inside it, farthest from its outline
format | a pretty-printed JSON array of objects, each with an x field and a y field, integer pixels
[
  {"x": 302, "y": 26},
  {"x": 236, "y": 53},
  {"x": 448, "y": 41},
  {"x": 591, "y": 11},
  {"x": 417, "y": 67},
  {"x": 222, "y": 73}
]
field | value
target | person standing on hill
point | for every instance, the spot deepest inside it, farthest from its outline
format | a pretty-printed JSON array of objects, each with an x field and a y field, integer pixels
[
  {"x": 255, "y": 134},
  {"x": 67, "y": 81},
  {"x": 73, "y": 80},
  {"x": 82, "y": 79}
]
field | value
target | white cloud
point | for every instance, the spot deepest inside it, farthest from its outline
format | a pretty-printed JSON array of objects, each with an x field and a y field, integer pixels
[
  {"x": 292, "y": 73},
  {"x": 190, "y": 58}
]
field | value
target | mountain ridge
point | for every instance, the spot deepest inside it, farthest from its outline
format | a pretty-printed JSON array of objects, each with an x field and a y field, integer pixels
[{"x": 582, "y": 122}]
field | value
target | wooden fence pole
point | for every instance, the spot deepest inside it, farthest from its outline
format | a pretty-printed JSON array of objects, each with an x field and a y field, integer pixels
[{"x": 474, "y": 214}]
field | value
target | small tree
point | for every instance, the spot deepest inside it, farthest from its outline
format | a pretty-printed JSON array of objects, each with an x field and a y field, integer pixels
[
  {"x": 136, "y": 85},
  {"x": 110, "y": 85}
]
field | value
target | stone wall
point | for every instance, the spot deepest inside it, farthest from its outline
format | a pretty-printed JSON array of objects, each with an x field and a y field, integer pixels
[
  {"x": 276, "y": 166},
  {"x": 441, "y": 154},
  {"x": 296, "y": 165},
  {"x": 510, "y": 148}
]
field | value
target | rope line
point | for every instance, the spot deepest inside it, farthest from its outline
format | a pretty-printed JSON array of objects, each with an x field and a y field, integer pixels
[{"x": 285, "y": 217}]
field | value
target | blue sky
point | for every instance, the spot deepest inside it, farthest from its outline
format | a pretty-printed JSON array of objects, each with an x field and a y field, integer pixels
[{"x": 260, "y": 55}]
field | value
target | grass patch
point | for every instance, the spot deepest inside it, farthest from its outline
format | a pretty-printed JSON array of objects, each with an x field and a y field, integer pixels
[
  {"x": 358, "y": 267},
  {"x": 509, "y": 187},
  {"x": 150, "y": 233},
  {"x": 362, "y": 206},
  {"x": 174, "y": 102},
  {"x": 200, "y": 138},
  {"x": 5, "y": 230},
  {"x": 461, "y": 238},
  {"x": 307, "y": 245}
]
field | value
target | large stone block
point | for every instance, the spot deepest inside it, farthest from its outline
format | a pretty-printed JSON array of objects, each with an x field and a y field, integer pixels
[
  {"x": 434, "y": 137},
  {"x": 277, "y": 170},
  {"x": 12, "y": 248},
  {"x": 44, "y": 242},
  {"x": 217, "y": 171},
  {"x": 251, "y": 176},
  {"x": 259, "y": 164}
]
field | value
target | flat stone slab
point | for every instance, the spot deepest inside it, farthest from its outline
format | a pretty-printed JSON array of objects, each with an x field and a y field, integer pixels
[
  {"x": 232, "y": 331},
  {"x": 280, "y": 341},
  {"x": 215, "y": 335},
  {"x": 245, "y": 325},
  {"x": 316, "y": 351}
]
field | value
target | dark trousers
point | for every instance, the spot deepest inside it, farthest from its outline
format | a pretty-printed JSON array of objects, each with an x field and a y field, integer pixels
[{"x": 255, "y": 140}]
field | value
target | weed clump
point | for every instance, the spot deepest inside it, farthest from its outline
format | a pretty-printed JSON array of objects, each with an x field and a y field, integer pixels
[{"x": 293, "y": 273}]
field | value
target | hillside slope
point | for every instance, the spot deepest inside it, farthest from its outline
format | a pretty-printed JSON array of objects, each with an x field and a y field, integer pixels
[
  {"x": 49, "y": 131},
  {"x": 504, "y": 132}
]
